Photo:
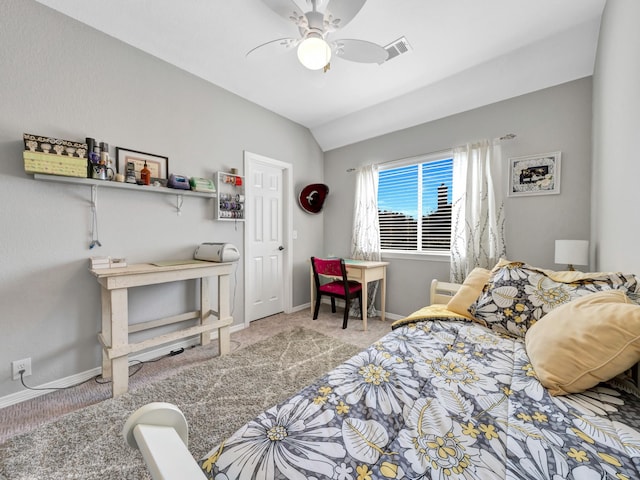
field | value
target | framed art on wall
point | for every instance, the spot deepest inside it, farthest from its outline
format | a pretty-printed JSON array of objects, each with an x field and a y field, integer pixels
[
  {"x": 158, "y": 164},
  {"x": 534, "y": 174}
]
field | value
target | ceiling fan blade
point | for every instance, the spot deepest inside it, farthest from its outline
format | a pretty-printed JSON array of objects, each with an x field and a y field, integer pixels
[
  {"x": 286, "y": 9},
  {"x": 360, "y": 51},
  {"x": 274, "y": 47},
  {"x": 341, "y": 12}
]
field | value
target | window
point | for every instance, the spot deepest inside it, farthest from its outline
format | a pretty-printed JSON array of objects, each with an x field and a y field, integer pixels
[{"x": 409, "y": 193}]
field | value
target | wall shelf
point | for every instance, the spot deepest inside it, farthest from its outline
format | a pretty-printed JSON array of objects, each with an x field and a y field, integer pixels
[{"x": 127, "y": 186}]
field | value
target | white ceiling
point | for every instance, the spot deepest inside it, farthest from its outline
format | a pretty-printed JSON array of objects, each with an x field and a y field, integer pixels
[{"x": 465, "y": 54}]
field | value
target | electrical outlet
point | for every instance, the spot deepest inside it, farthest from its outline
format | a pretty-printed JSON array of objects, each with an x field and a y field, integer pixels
[{"x": 17, "y": 365}]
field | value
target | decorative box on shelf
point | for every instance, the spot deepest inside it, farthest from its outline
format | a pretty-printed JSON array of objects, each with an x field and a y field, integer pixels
[
  {"x": 54, "y": 156},
  {"x": 55, "y": 146},
  {"x": 230, "y": 204},
  {"x": 53, "y": 164}
]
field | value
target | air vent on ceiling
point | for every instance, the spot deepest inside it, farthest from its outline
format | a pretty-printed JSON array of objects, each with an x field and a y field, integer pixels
[{"x": 397, "y": 48}]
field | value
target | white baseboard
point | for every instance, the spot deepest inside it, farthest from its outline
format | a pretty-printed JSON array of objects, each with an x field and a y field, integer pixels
[
  {"x": 27, "y": 394},
  {"x": 299, "y": 308}
]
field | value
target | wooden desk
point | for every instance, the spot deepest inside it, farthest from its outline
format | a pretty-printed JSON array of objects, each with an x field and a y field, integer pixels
[
  {"x": 114, "y": 337},
  {"x": 362, "y": 271}
]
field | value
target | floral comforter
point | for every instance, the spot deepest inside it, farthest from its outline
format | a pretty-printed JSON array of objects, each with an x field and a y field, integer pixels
[{"x": 438, "y": 399}]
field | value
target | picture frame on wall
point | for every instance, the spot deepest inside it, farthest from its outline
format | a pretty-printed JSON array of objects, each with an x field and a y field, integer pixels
[
  {"x": 534, "y": 175},
  {"x": 158, "y": 164}
]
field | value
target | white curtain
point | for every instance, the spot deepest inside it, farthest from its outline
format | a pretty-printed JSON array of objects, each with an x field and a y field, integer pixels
[
  {"x": 365, "y": 240},
  {"x": 477, "y": 217}
]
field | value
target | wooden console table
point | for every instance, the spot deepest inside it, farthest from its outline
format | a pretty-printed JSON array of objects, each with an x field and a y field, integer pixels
[
  {"x": 114, "y": 337},
  {"x": 362, "y": 271}
]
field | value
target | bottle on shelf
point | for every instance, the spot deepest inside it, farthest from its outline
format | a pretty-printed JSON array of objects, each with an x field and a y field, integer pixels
[
  {"x": 145, "y": 174},
  {"x": 90, "y": 144}
]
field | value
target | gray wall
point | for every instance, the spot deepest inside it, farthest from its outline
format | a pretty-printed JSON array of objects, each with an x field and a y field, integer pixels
[
  {"x": 63, "y": 79},
  {"x": 553, "y": 119},
  {"x": 616, "y": 125}
]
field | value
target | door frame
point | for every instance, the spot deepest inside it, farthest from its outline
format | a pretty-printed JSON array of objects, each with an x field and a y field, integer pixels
[{"x": 250, "y": 159}]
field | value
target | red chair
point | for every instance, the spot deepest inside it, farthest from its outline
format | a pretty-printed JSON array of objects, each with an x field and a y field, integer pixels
[{"x": 341, "y": 288}]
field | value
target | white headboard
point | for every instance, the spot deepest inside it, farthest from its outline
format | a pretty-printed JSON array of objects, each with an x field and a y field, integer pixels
[{"x": 441, "y": 292}]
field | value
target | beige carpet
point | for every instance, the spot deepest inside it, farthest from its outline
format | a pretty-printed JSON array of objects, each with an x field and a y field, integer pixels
[
  {"x": 30, "y": 414},
  {"x": 217, "y": 396}
]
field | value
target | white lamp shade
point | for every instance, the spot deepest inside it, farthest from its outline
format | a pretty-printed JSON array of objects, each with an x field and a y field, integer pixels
[
  {"x": 572, "y": 252},
  {"x": 314, "y": 53}
]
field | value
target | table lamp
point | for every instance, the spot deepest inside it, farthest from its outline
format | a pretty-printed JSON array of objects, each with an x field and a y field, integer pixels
[{"x": 572, "y": 252}]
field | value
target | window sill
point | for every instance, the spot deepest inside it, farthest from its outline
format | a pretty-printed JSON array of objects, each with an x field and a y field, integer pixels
[{"x": 417, "y": 256}]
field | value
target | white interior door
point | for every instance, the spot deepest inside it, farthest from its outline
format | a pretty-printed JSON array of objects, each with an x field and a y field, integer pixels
[{"x": 265, "y": 279}]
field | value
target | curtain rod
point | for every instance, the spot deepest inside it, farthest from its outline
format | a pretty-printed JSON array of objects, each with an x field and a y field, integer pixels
[{"x": 507, "y": 136}]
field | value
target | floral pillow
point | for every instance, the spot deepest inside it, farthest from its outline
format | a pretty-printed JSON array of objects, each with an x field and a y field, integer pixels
[{"x": 518, "y": 295}]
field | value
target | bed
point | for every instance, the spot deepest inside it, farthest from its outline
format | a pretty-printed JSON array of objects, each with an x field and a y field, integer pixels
[{"x": 518, "y": 373}]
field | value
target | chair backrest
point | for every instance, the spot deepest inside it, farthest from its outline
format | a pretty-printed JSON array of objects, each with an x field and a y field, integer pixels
[
  {"x": 328, "y": 266},
  {"x": 333, "y": 267}
]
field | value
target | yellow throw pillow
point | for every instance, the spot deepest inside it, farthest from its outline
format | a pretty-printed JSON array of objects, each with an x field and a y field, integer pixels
[
  {"x": 585, "y": 341},
  {"x": 469, "y": 291}
]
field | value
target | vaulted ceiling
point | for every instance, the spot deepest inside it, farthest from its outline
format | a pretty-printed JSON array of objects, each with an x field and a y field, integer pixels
[{"x": 463, "y": 54}]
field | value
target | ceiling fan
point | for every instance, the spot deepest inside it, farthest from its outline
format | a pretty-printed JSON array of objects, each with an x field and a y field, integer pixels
[{"x": 315, "y": 26}]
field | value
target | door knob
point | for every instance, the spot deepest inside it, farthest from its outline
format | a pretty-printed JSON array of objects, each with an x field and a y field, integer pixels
[{"x": 280, "y": 248}]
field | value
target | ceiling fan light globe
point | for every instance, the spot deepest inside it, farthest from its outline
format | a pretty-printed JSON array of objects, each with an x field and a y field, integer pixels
[{"x": 314, "y": 53}]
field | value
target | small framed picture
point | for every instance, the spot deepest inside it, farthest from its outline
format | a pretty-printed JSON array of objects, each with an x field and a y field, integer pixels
[
  {"x": 158, "y": 164},
  {"x": 534, "y": 175}
]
